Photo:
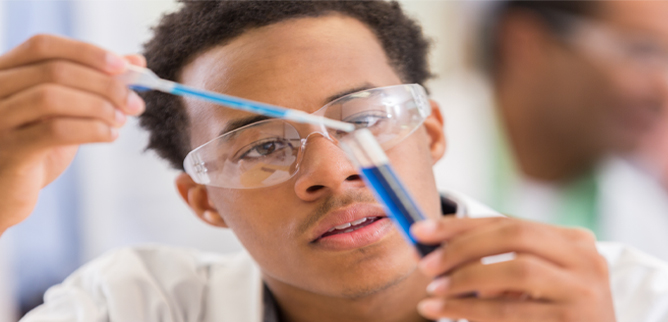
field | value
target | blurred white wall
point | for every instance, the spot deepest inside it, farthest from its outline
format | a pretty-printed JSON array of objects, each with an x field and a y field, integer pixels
[
  {"x": 440, "y": 22},
  {"x": 461, "y": 92},
  {"x": 2, "y": 27}
]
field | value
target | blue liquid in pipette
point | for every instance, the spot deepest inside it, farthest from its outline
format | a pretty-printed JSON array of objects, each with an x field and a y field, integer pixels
[
  {"x": 399, "y": 206},
  {"x": 222, "y": 99},
  {"x": 139, "y": 88}
]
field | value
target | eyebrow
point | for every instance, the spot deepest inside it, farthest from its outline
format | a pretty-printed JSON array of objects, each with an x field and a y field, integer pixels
[
  {"x": 363, "y": 87},
  {"x": 241, "y": 122}
]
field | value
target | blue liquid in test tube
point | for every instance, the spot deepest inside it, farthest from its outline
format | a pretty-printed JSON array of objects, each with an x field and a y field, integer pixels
[{"x": 376, "y": 171}]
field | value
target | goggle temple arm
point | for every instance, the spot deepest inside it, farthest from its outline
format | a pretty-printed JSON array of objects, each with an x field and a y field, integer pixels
[{"x": 195, "y": 167}]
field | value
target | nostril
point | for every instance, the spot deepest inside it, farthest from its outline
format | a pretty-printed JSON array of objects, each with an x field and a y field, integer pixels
[
  {"x": 312, "y": 189},
  {"x": 353, "y": 177}
]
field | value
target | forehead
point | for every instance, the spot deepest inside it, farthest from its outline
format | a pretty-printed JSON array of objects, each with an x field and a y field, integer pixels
[
  {"x": 640, "y": 15},
  {"x": 296, "y": 63}
]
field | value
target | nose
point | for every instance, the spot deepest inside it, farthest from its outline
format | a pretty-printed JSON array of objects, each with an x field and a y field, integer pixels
[{"x": 324, "y": 170}]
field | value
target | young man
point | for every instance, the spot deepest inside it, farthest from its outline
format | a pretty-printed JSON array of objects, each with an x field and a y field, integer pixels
[{"x": 320, "y": 247}]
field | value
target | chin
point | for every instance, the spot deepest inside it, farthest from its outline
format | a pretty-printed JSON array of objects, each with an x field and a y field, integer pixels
[{"x": 370, "y": 270}]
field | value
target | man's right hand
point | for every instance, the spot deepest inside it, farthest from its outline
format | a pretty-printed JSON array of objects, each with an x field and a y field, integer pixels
[{"x": 55, "y": 94}]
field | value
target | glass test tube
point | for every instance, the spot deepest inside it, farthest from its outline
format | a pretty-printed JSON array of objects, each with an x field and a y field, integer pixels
[{"x": 366, "y": 154}]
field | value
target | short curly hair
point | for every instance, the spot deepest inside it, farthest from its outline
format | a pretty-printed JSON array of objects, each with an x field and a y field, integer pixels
[{"x": 201, "y": 25}]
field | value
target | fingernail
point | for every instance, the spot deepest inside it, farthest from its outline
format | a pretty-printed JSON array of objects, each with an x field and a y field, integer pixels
[
  {"x": 430, "y": 263},
  {"x": 120, "y": 117},
  {"x": 114, "y": 133},
  {"x": 425, "y": 227},
  {"x": 115, "y": 63},
  {"x": 431, "y": 306},
  {"x": 439, "y": 285},
  {"x": 134, "y": 103}
]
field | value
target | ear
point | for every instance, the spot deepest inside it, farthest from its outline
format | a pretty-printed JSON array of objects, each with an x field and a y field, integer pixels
[
  {"x": 196, "y": 196},
  {"x": 434, "y": 126}
]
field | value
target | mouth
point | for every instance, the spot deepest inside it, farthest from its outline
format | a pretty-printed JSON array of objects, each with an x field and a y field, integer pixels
[
  {"x": 353, "y": 227},
  {"x": 350, "y": 226}
]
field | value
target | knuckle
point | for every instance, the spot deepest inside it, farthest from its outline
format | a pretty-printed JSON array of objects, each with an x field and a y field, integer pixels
[
  {"x": 460, "y": 278},
  {"x": 47, "y": 97},
  {"x": 582, "y": 235},
  {"x": 56, "y": 71},
  {"x": 39, "y": 44},
  {"x": 522, "y": 269},
  {"x": 453, "y": 250},
  {"x": 56, "y": 129},
  {"x": 517, "y": 230}
]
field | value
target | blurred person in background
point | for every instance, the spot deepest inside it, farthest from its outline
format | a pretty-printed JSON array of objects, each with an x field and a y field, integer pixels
[{"x": 575, "y": 87}]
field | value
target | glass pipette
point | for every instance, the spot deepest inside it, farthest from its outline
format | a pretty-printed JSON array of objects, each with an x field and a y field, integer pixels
[{"x": 143, "y": 79}]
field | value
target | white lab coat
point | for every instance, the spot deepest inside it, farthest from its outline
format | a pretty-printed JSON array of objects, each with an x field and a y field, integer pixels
[{"x": 166, "y": 284}]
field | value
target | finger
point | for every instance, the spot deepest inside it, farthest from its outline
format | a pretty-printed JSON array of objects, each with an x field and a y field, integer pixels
[
  {"x": 64, "y": 73},
  {"x": 556, "y": 245},
  {"x": 488, "y": 310},
  {"x": 136, "y": 59},
  {"x": 437, "y": 231},
  {"x": 48, "y": 101},
  {"x": 59, "y": 131},
  {"x": 525, "y": 274},
  {"x": 45, "y": 47},
  {"x": 72, "y": 75}
]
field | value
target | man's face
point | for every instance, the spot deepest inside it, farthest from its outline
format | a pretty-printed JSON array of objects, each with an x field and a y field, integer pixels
[
  {"x": 301, "y": 64},
  {"x": 607, "y": 90}
]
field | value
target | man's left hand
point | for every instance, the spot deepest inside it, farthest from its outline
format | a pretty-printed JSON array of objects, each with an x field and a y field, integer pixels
[{"x": 557, "y": 273}]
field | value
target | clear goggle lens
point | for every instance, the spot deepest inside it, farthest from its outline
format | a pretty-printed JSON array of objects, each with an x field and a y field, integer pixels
[{"x": 267, "y": 153}]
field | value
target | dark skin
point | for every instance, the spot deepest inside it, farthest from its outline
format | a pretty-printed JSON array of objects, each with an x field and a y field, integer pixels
[
  {"x": 564, "y": 108},
  {"x": 300, "y": 63}
]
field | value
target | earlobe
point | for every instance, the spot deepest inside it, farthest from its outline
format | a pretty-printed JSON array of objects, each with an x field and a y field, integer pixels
[
  {"x": 434, "y": 127},
  {"x": 197, "y": 198}
]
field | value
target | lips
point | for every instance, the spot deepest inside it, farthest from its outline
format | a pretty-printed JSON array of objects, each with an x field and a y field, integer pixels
[{"x": 352, "y": 227}]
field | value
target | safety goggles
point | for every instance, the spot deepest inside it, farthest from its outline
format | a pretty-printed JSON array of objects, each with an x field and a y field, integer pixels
[
  {"x": 269, "y": 152},
  {"x": 643, "y": 52}
]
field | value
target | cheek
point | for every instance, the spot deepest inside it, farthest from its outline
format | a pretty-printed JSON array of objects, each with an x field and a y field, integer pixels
[{"x": 258, "y": 217}]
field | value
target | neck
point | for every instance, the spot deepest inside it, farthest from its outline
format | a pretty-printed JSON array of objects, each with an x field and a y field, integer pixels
[
  {"x": 397, "y": 302},
  {"x": 541, "y": 152}
]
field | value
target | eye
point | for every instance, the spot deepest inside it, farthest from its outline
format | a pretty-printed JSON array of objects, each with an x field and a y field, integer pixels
[
  {"x": 644, "y": 49},
  {"x": 262, "y": 148},
  {"x": 367, "y": 119}
]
